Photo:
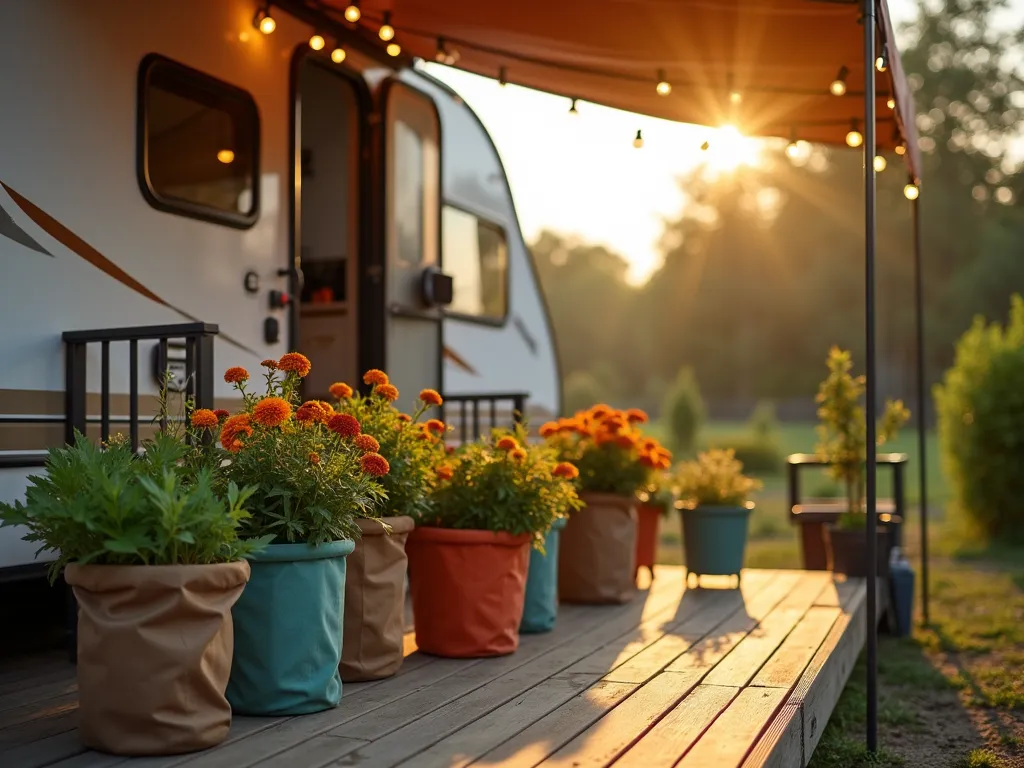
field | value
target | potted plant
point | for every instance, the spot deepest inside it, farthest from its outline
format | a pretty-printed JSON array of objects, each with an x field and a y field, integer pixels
[
  {"x": 598, "y": 546},
  {"x": 375, "y": 581},
  {"x": 843, "y": 444},
  {"x": 153, "y": 554},
  {"x": 713, "y": 494},
  {"x": 468, "y": 560},
  {"x": 312, "y": 482},
  {"x": 656, "y": 498}
]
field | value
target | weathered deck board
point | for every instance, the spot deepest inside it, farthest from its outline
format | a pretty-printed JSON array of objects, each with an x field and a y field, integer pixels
[{"x": 719, "y": 677}]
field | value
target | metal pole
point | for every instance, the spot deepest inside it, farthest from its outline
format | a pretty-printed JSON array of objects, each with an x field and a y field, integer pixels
[
  {"x": 922, "y": 420},
  {"x": 870, "y": 380}
]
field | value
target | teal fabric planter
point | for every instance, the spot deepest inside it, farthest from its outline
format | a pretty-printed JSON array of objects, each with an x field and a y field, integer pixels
[
  {"x": 715, "y": 539},
  {"x": 288, "y": 628},
  {"x": 541, "y": 606}
]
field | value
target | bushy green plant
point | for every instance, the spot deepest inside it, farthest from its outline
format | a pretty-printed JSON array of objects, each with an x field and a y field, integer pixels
[
  {"x": 684, "y": 412},
  {"x": 843, "y": 430},
  {"x": 505, "y": 483},
  {"x": 714, "y": 478},
  {"x": 764, "y": 424},
  {"x": 980, "y": 406},
  {"x": 110, "y": 506}
]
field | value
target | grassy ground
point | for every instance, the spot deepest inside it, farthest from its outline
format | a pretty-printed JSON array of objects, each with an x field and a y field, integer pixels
[{"x": 952, "y": 695}]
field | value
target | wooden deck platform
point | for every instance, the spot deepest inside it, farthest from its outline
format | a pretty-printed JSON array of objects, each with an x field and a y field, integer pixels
[{"x": 714, "y": 677}]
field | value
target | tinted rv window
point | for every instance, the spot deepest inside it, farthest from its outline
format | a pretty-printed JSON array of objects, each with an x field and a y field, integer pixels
[
  {"x": 475, "y": 254},
  {"x": 199, "y": 144}
]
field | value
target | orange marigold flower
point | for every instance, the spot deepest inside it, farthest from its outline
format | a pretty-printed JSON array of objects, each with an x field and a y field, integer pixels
[
  {"x": 295, "y": 362},
  {"x": 234, "y": 427},
  {"x": 344, "y": 424},
  {"x": 340, "y": 390},
  {"x": 626, "y": 440},
  {"x": 387, "y": 391},
  {"x": 549, "y": 429},
  {"x": 314, "y": 457},
  {"x": 271, "y": 411},
  {"x": 444, "y": 472},
  {"x": 517, "y": 455},
  {"x": 425, "y": 435},
  {"x": 566, "y": 470},
  {"x": 449, "y": 449},
  {"x": 314, "y": 410},
  {"x": 649, "y": 444},
  {"x": 366, "y": 443},
  {"x": 374, "y": 464},
  {"x": 435, "y": 425},
  {"x": 221, "y": 414},
  {"x": 271, "y": 364},
  {"x": 404, "y": 417},
  {"x": 600, "y": 411},
  {"x": 375, "y": 376},
  {"x": 431, "y": 397},
  {"x": 648, "y": 460},
  {"x": 236, "y": 375},
  {"x": 204, "y": 418},
  {"x": 636, "y": 416},
  {"x": 508, "y": 443}
]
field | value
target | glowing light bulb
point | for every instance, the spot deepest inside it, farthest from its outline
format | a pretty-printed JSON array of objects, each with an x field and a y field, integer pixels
[
  {"x": 264, "y": 22},
  {"x": 394, "y": 49},
  {"x": 664, "y": 87},
  {"x": 792, "y": 150},
  {"x": 838, "y": 86},
  {"x": 911, "y": 191},
  {"x": 735, "y": 97},
  {"x": 880, "y": 63},
  {"x": 338, "y": 55},
  {"x": 386, "y": 31},
  {"x": 879, "y": 163},
  {"x": 901, "y": 150},
  {"x": 891, "y": 103},
  {"x": 854, "y": 139},
  {"x": 638, "y": 142},
  {"x": 226, "y": 156},
  {"x": 352, "y": 12},
  {"x": 317, "y": 42}
]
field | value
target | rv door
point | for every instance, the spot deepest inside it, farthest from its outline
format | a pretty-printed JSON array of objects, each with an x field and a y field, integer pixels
[{"x": 416, "y": 290}]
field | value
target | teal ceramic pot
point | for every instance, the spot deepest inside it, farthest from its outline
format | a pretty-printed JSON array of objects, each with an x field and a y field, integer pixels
[
  {"x": 288, "y": 631},
  {"x": 541, "y": 606},
  {"x": 715, "y": 539}
]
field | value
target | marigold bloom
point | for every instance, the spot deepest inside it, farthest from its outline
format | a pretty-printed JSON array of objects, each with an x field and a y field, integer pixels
[
  {"x": 376, "y": 376},
  {"x": 344, "y": 424},
  {"x": 508, "y": 443},
  {"x": 314, "y": 410},
  {"x": 204, "y": 418},
  {"x": 449, "y": 449},
  {"x": 295, "y": 362},
  {"x": 626, "y": 440},
  {"x": 444, "y": 472},
  {"x": 236, "y": 375},
  {"x": 366, "y": 443},
  {"x": 649, "y": 444},
  {"x": 518, "y": 455},
  {"x": 387, "y": 391},
  {"x": 566, "y": 470},
  {"x": 636, "y": 416},
  {"x": 435, "y": 425},
  {"x": 271, "y": 412},
  {"x": 221, "y": 414},
  {"x": 404, "y": 417},
  {"x": 600, "y": 411},
  {"x": 374, "y": 464},
  {"x": 431, "y": 397},
  {"x": 340, "y": 390},
  {"x": 549, "y": 429},
  {"x": 233, "y": 428},
  {"x": 271, "y": 364},
  {"x": 314, "y": 457},
  {"x": 648, "y": 460}
]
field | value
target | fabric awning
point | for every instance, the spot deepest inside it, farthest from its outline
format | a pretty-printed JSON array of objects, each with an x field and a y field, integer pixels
[{"x": 764, "y": 66}]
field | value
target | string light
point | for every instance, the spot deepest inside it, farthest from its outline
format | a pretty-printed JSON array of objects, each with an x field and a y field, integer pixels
[
  {"x": 882, "y": 63},
  {"x": 838, "y": 87},
  {"x": 901, "y": 149},
  {"x": 263, "y": 21},
  {"x": 879, "y": 163},
  {"x": 338, "y": 55},
  {"x": 442, "y": 51},
  {"x": 793, "y": 148},
  {"x": 735, "y": 97},
  {"x": 502, "y": 77},
  {"x": 394, "y": 49},
  {"x": 352, "y": 12},
  {"x": 386, "y": 31},
  {"x": 911, "y": 191},
  {"x": 572, "y": 108},
  {"x": 317, "y": 42},
  {"x": 891, "y": 103},
  {"x": 854, "y": 138},
  {"x": 664, "y": 87},
  {"x": 226, "y": 156},
  {"x": 638, "y": 142}
]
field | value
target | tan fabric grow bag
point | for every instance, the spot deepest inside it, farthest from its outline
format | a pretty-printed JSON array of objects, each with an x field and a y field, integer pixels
[
  {"x": 597, "y": 552},
  {"x": 154, "y": 654},
  {"x": 375, "y": 601}
]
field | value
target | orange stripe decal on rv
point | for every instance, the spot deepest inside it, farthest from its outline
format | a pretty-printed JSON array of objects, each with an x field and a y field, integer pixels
[{"x": 451, "y": 354}]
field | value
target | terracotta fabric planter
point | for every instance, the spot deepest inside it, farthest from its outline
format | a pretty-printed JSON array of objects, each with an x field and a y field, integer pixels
[
  {"x": 467, "y": 590},
  {"x": 597, "y": 553},
  {"x": 154, "y": 654},
  {"x": 375, "y": 601},
  {"x": 648, "y": 521}
]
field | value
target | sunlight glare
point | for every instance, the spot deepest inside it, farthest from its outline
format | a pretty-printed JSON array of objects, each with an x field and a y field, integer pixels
[{"x": 729, "y": 149}]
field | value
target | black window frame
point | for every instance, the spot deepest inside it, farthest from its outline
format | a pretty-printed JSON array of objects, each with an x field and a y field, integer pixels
[
  {"x": 491, "y": 320},
  {"x": 209, "y": 84}
]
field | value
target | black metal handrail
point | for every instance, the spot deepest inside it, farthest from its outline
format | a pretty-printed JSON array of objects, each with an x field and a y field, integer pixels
[{"x": 469, "y": 410}]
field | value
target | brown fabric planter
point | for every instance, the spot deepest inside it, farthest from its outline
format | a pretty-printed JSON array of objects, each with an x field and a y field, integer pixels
[
  {"x": 597, "y": 552},
  {"x": 154, "y": 654},
  {"x": 375, "y": 601}
]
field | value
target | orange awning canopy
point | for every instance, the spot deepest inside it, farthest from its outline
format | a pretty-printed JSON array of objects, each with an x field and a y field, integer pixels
[{"x": 764, "y": 66}]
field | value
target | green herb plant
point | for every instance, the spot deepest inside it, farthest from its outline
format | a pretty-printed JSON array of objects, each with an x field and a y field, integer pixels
[{"x": 715, "y": 479}]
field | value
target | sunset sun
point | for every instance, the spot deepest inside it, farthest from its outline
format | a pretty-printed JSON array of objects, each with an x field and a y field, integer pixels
[{"x": 728, "y": 149}]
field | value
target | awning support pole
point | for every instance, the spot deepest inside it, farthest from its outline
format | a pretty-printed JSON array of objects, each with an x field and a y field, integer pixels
[
  {"x": 922, "y": 420},
  {"x": 870, "y": 395}
]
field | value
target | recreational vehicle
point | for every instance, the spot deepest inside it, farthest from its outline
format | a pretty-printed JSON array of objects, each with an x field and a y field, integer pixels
[{"x": 183, "y": 189}]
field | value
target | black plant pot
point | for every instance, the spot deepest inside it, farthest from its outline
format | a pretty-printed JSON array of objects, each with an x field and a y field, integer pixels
[{"x": 847, "y": 551}]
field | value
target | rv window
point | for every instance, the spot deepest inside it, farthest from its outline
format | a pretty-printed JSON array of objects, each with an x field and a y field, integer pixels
[
  {"x": 475, "y": 254},
  {"x": 199, "y": 143}
]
